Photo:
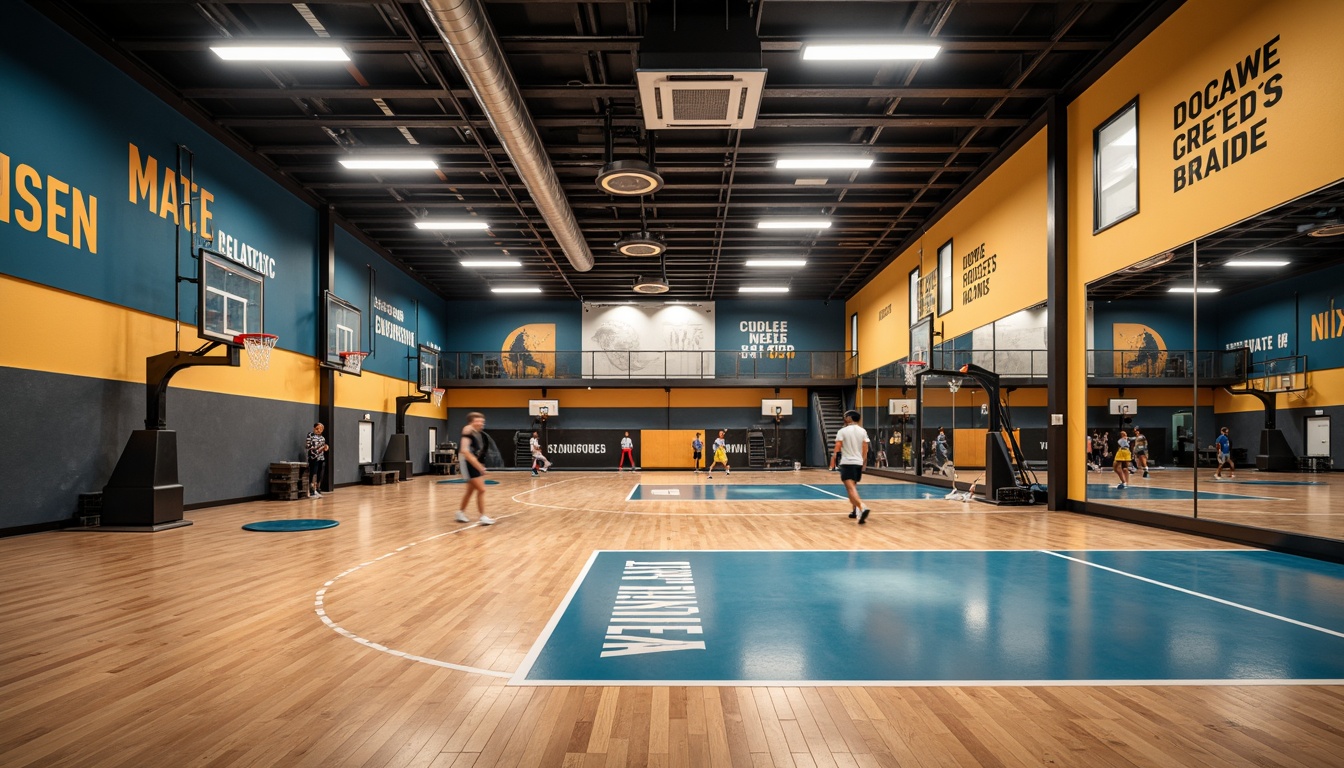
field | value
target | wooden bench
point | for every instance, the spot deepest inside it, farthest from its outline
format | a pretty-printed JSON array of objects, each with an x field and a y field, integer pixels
[{"x": 380, "y": 476}]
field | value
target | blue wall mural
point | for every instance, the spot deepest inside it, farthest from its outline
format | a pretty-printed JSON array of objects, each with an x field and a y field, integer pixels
[{"x": 1303, "y": 315}]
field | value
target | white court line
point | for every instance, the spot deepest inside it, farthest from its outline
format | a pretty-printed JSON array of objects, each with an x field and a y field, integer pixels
[
  {"x": 1196, "y": 594},
  {"x": 632, "y": 491},
  {"x": 828, "y": 493},
  {"x": 519, "y": 677}
]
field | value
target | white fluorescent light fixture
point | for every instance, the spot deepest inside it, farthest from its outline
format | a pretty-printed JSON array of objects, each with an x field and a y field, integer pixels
[
  {"x": 794, "y": 224},
  {"x": 776, "y": 262},
  {"x": 516, "y": 289},
  {"x": 1189, "y": 289},
  {"x": 763, "y": 289},
  {"x": 823, "y": 163},
  {"x": 280, "y": 52},
  {"x": 491, "y": 263},
  {"x": 1257, "y": 263},
  {"x": 870, "y": 52},
  {"x": 445, "y": 224},
  {"x": 389, "y": 164}
]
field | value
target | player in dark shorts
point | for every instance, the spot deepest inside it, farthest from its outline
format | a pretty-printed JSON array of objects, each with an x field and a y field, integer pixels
[
  {"x": 697, "y": 451},
  {"x": 469, "y": 454},
  {"x": 851, "y": 445}
]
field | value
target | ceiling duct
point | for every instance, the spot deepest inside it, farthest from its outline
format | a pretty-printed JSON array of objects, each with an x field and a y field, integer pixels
[
  {"x": 628, "y": 177},
  {"x": 700, "y": 66},
  {"x": 466, "y": 30}
]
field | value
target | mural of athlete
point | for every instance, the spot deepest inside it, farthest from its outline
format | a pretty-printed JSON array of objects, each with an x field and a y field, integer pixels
[{"x": 520, "y": 358}]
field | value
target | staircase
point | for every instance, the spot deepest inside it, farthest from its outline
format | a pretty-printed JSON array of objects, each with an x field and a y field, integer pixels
[
  {"x": 830, "y": 410},
  {"x": 522, "y": 449},
  {"x": 756, "y": 449}
]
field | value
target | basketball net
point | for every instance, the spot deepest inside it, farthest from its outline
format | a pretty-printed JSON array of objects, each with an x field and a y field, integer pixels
[
  {"x": 258, "y": 347},
  {"x": 436, "y": 396},
  {"x": 353, "y": 361},
  {"x": 912, "y": 370}
]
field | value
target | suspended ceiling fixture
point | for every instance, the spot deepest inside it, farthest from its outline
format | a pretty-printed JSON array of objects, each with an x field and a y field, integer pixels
[
  {"x": 642, "y": 243},
  {"x": 628, "y": 177}
]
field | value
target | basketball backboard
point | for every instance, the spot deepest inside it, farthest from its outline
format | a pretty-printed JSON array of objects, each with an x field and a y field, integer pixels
[
  {"x": 901, "y": 406},
  {"x": 534, "y": 408},
  {"x": 427, "y": 363},
  {"x": 230, "y": 298},
  {"x": 345, "y": 330},
  {"x": 781, "y": 407},
  {"x": 1124, "y": 406},
  {"x": 921, "y": 341}
]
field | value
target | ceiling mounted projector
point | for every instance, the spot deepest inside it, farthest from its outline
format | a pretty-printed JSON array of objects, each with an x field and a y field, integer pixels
[
  {"x": 629, "y": 177},
  {"x": 642, "y": 243},
  {"x": 651, "y": 285}
]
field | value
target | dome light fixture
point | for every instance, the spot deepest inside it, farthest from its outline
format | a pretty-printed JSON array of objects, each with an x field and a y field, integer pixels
[
  {"x": 628, "y": 177},
  {"x": 651, "y": 285},
  {"x": 642, "y": 244}
]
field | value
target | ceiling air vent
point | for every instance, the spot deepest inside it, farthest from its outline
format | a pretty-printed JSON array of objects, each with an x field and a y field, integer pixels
[{"x": 700, "y": 98}]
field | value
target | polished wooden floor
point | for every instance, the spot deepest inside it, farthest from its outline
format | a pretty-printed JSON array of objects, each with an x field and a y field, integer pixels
[{"x": 206, "y": 646}]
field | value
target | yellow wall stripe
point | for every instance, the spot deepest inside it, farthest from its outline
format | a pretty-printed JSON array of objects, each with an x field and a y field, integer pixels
[{"x": 60, "y": 332}]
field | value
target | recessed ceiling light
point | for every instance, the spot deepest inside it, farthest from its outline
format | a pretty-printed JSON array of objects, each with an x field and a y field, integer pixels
[
  {"x": 869, "y": 52},
  {"x": 452, "y": 224},
  {"x": 492, "y": 263},
  {"x": 776, "y": 262},
  {"x": 1258, "y": 263},
  {"x": 389, "y": 164},
  {"x": 280, "y": 52},
  {"x": 763, "y": 289},
  {"x": 516, "y": 289},
  {"x": 822, "y": 163},
  {"x": 1190, "y": 289},
  {"x": 794, "y": 224}
]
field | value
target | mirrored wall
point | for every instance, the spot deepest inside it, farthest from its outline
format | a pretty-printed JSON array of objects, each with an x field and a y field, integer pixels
[{"x": 1219, "y": 366}]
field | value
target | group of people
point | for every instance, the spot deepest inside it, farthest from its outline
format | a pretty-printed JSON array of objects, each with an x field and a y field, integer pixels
[
  {"x": 851, "y": 454},
  {"x": 1131, "y": 454}
]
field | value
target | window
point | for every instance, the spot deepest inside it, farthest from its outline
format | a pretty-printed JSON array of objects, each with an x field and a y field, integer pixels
[
  {"x": 945, "y": 278},
  {"x": 854, "y": 334},
  {"x": 1115, "y": 147},
  {"x": 914, "y": 295}
]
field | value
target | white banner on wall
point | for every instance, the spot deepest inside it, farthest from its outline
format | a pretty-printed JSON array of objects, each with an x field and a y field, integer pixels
[{"x": 631, "y": 341}]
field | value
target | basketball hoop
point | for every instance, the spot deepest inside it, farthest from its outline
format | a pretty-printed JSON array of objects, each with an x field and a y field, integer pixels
[
  {"x": 258, "y": 346},
  {"x": 353, "y": 361},
  {"x": 912, "y": 369},
  {"x": 953, "y": 384},
  {"x": 436, "y": 396}
]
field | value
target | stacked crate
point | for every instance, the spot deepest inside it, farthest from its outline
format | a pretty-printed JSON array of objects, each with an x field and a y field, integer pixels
[{"x": 289, "y": 480}]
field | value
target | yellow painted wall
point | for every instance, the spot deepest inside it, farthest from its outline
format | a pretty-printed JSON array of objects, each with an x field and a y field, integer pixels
[
  {"x": 59, "y": 332},
  {"x": 665, "y": 448},
  {"x": 1006, "y": 214},
  {"x": 1196, "y": 45}
]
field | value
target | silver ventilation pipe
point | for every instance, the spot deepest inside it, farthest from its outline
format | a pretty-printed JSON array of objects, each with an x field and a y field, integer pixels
[{"x": 465, "y": 29}]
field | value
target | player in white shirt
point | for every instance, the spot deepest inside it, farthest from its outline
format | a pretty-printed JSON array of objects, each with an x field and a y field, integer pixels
[
  {"x": 538, "y": 458},
  {"x": 627, "y": 452},
  {"x": 851, "y": 443}
]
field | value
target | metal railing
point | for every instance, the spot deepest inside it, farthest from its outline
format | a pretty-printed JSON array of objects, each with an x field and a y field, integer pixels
[
  {"x": 646, "y": 364},
  {"x": 1101, "y": 364}
]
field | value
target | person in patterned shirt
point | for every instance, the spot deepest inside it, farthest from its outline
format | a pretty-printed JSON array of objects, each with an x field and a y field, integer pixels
[{"x": 317, "y": 459}]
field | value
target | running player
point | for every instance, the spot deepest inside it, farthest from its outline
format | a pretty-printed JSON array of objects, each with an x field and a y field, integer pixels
[
  {"x": 720, "y": 455},
  {"x": 473, "y": 471},
  {"x": 1225, "y": 455}
]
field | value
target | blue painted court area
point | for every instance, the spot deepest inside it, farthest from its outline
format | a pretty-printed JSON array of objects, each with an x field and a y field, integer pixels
[
  {"x": 782, "y": 492},
  {"x": 944, "y": 618},
  {"x": 1108, "y": 492}
]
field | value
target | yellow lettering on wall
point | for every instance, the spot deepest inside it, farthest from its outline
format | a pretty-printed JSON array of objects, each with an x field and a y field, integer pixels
[
  {"x": 24, "y": 177},
  {"x": 1318, "y": 326},
  {"x": 206, "y": 197},
  {"x": 144, "y": 178},
  {"x": 168, "y": 203},
  {"x": 55, "y": 210},
  {"x": 189, "y": 189},
  {"x": 4, "y": 187},
  {"x": 86, "y": 221}
]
